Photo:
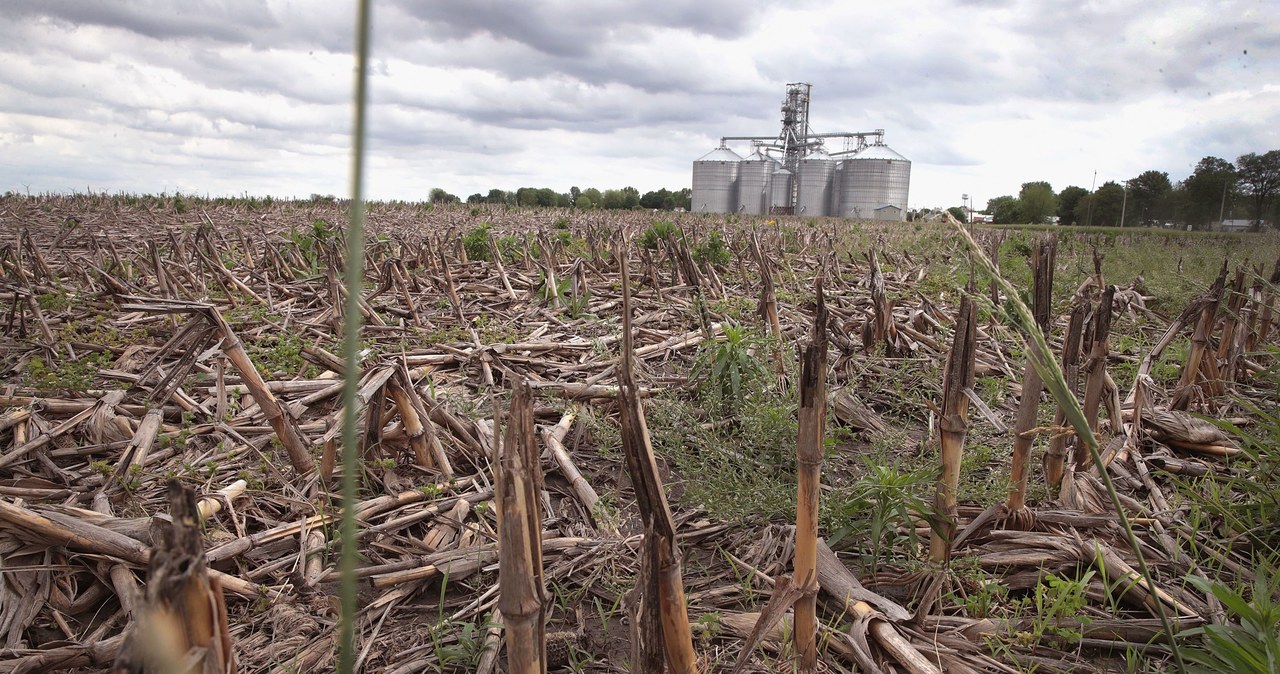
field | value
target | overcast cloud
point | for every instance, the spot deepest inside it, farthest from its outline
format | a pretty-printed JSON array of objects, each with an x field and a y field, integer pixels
[{"x": 239, "y": 96}]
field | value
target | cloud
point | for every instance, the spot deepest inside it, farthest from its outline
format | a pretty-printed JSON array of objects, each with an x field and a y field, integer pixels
[{"x": 238, "y": 96}]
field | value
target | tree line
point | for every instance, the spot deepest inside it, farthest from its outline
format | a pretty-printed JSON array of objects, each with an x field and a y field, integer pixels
[
  {"x": 1216, "y": 190},
  {"x": 590, "y": 198}
]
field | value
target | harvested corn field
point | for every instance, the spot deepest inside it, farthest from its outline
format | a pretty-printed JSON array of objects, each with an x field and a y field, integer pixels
[{"x": 583, "y": 438}]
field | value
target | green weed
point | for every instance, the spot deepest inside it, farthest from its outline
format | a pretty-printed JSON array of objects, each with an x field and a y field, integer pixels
[{"x": 1249, "y": 643}]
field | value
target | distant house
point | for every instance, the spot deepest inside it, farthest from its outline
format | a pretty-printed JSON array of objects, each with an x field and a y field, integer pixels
[
  {"x": 1237, "y": 225},
  {"x": 888, "y": 212}
]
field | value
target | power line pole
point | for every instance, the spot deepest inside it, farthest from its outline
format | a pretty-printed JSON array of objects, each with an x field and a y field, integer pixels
[
  {"x": 1222, "y": 208},
  {"x": 1124, "y": 202},
  {"x": 1093, "y": 195}
]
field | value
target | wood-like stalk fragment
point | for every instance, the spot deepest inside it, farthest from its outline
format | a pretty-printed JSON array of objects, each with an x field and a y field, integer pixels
[
  {"x": 279, "y": 419},
  {"x": 184, "y": 624},
  {"x": 809, "y": 448},
  {"x": 953, "y": 425},
  {"x": 1055, "y": 456},
  {"x": 659, "y": 544},
  {"x": 520, "y": 539},
  {"x": 1232, "y": 325},
  {"x": 1096, "y": 366},
  {"x": 1028, "y": 408},
  {"x": 1186, "y": 388}
]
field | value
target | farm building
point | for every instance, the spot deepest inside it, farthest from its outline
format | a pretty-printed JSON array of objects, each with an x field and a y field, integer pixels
[
  {"x": 1241, "y": 225},
  {"x": 794, "y": 173}
]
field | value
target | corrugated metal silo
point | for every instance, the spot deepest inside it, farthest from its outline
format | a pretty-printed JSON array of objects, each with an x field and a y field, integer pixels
[
  {"x": 837, "y": 177},
  {"x": 715, "y": 177},
  {"x": 813, "y": 191},
  {"x": 755, "y": 176},
  {"x": 780, "y": 189},
  {"x": 871, "y": 179}
]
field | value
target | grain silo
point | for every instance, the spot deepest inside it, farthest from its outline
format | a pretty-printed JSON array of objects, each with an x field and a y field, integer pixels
[
  {"x": 783, "y": 183},
  {"x": 715, "y": 181},
  {"x": 813, "y": 185},
  {"x": 755, "y": 177},
  {"x": 874, "y": 184},
  {"x": 866, "y": 179}
]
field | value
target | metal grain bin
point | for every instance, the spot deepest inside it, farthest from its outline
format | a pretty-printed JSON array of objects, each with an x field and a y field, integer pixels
[
  {"x": 813, "y": 189},
  {"x": 715, "y": 185},
  {"x": 780, "y": 190},
  {"x": 872, "y": 179},
  {"x": 755, "y": 176}
]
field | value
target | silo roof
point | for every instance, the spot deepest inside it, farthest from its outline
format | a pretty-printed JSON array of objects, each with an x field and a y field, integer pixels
[
  {"x": 720, "y": 154},
  {"x": 879, "y": 152}
]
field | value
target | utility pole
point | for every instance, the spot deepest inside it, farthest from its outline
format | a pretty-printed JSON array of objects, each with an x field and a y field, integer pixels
[
  {"x": 1093, "y": 195},
  {"x": 1124, "y": 202},
  {"x": 1222, "y": 208}
]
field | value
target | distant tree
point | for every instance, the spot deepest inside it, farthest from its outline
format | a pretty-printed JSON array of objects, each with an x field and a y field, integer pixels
[
  {"x": 497, "y": 196},
  {"x": 563, "y": 200},
  {"x": 663, "y": 199},
  {"x": 574, "y": 193},
  {"x": 476, "y": 198},
  {"x": 1004, "y": 210},
  {"x": 652, "y": 199},
  {"x": 684, "y": 199},
  {"x": 612, "y": 200},
  {"x": 584, "y": 202},
  {"x": 594, "y": 196},
  {"x": 546, "y": 197},
  {"x": 1067, "y": 200},
  {"x": 1036, "y": 202},
  {"x": 958, "y": 213},
  {"x": 630, "y": 197},
  {"x": 1150, "y": 198},
  {"x": 1105, "y": 205},
  {"x": 527, "y": 196},
  {"x": 1207, "y": 192},
  {"x": 625, "y": 198},
  {"x": 439, "y": 196},
  {"x": 1259, "y": 179}
]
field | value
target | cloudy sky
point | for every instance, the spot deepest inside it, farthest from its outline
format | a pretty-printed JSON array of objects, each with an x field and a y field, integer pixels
[{"x": 254, "y": 96}]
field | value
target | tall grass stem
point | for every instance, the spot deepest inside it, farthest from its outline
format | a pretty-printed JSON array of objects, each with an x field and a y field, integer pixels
[{"x": 351, "y": 348}]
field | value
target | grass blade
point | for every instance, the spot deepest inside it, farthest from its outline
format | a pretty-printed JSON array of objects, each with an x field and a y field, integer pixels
[{"x": 351, "y": 348}]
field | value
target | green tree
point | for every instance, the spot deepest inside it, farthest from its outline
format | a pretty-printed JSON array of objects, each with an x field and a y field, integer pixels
[
  {"x": 958, "y": 213},
  {"x": 527, "y": 196},
  {"x": 611, "y": 200},
  {"x": 663, "y": 199},
  {"x": 439, "y": 196},
  {"x": 545, "y": 197},
  {"x": 1036, "y": 202},
  {"x": 476, "y": 198},
  {"x": 594, "y": 196},
  {"x": 630, "y": 197},
  {"x": 684, "y": 199},
  {"x": 1004, "y": 210},
  {"x": 497, "y": 196},
  {"x": 625, "y": 198},
  {"x": 574, "y": 193},
  {"x": 1259, "y": 179},
  {"x": 1102, "y": 208},
  {"x": 1067, "y": 200},
  {"x": 1207, "y": 193},
  {"x": 1150, "y": 198}
]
